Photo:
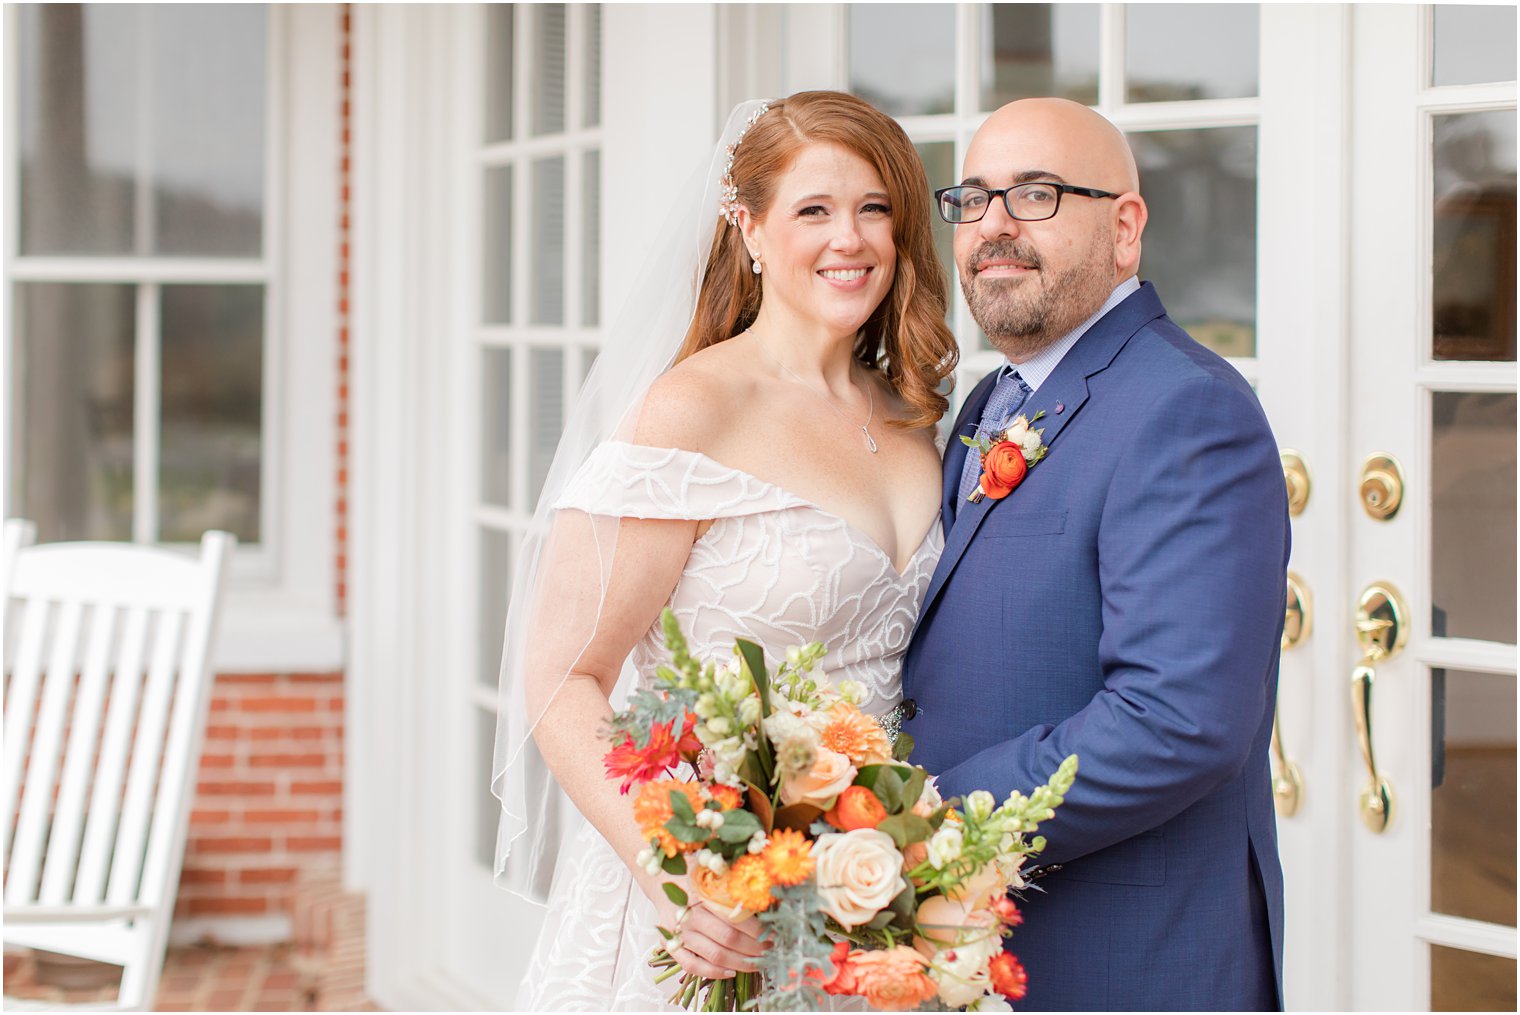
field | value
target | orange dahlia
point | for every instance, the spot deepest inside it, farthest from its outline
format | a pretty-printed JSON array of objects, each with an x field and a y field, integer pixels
[
  {"x": 651, "y": 809},
  {"x": 749, "y": 883},
  {"x": 635, "y": 765},
  {"x": 728, "y": 798},
  {"x": 788, "y": 857},
  {"x": 855, "y": 735}
]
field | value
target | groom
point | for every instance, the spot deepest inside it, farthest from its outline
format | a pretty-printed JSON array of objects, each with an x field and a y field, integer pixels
[{"x": 1123, "y": 603}]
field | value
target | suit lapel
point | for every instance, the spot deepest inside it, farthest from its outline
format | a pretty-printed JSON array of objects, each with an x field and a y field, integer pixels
[
  {"x": 955, "y": 451},
  {"x": 1062, "y": 395}
]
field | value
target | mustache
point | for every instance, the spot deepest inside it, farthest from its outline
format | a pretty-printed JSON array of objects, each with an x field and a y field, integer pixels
[{"x": 1004, "y": 250}]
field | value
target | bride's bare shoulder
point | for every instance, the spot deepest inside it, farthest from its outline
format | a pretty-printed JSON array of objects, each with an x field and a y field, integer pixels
[{"x": 693, "y": 404}]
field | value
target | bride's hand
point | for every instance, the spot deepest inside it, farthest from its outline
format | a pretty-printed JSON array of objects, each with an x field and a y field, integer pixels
[{"x": 708, "y": 945}]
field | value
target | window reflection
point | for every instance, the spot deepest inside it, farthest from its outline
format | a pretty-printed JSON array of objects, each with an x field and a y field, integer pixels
[
  {"x": 1200, "y": 242},
  {"x": 1473, "y": 297},
  {"x": 1038, "y": 49},
  {"x": 1473, "y": 44},
  {"x": 1175, "y": 52},
  {"x": 902, "y": 57}
]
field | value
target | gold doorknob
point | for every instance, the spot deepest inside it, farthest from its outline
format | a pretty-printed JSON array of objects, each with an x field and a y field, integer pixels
[
  {"x": 1296, "y": 475},
  {"x": 1382, "y": 486},
  {"x": 1382, "y": 629},
  {"x": 1288, "y": 780}
]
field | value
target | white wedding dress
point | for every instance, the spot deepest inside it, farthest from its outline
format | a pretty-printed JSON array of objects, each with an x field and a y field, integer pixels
[{"x": 773, "y": 568}]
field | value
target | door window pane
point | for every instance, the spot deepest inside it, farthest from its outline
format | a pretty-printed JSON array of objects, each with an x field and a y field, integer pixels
[
  {"x": 499, "y": 69},
  {"x": 1474, "y": 251},
  {"x": 495, "y": 594},
  {"x": 207, "y": 111},
  {"x": 547, "y": 212},
  {"x": 1473, "y": 44},
  {"x": 1472, "y": 802},
  {"x": 591, "y": 238},
  {"x": 212, "y": 392},
  {"x": 79, "y": 121},
  {"x": 546, "y": 414},
  {"x": 1468, "y": 981},
  {"x": 496, "y": 427},
  {"x": 488, "y": 808},
  {"x": 1200, "y": 242},
  {"x": 74, "y": 356},
  {"x": 593, "y": 77},
  {"x": 1175, "y": 52},
  {"x": 496, "y": 267},
  {"x": 1472, "y": 527},
  {"x": 902, "y": 57},
  {"x": 939, "y": 166},
  {"x": 1038, "y": 49},
  {"x": 548, "y": 116}
]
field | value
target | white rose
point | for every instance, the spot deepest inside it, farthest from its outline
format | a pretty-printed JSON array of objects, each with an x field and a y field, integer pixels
[
  {"x": 979, "y": 805},
  {"x": 945, "y": 846},
  {"x": 858, "y": 873},
  {"x": 1016, "y": 430}
]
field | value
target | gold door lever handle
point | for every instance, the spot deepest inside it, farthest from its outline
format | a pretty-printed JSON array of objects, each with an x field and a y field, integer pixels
[
  {"x": 1288, "y": 782},
  {"x": 1377, "y": 798}
]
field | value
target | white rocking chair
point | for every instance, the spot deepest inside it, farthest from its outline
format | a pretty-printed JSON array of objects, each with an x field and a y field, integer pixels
[{"x": 107, "y": 686}]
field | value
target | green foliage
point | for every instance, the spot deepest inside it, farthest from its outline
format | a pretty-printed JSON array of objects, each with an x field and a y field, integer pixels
[
  {"x": 674, "y": 893},
  {"x": 683, "y": 820},
  {"x": 796, "y": 930},
  {"x": 738, "y": 827},
  {"x": 902, "y": 747},
  {"x": 674, "y": 864},
  {"x": 754, "y": 666},
  {"x": 906, "y": 829}
]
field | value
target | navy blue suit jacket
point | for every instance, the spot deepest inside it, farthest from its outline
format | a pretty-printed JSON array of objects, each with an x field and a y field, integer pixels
[{"x": 1124, "y": 604}]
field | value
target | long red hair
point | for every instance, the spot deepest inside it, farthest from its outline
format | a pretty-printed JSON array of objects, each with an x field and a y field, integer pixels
[{"x": 906, "y": 337}]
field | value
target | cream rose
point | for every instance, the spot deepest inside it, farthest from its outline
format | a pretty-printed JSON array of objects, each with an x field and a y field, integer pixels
[
  {"x": 858, "y": 874},
  {"x": 830, "y": 774},
  {"x": 981, "y": 887}
]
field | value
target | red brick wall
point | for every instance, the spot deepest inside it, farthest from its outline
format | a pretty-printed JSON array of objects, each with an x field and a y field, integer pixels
[{"x": 268, "y": 811}]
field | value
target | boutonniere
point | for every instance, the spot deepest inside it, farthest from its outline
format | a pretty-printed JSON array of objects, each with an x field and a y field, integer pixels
[{"x": 1006, "y": 457}]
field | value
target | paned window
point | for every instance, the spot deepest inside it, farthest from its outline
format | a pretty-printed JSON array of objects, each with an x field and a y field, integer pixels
[{"x": 140, "y": 271}]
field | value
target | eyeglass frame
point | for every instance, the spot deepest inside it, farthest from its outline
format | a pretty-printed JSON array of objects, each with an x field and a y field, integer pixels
[{"x": 1061, "y": 190}]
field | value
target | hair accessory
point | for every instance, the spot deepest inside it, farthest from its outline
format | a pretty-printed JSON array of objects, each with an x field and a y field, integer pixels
[{"x": 729, "y": 206}]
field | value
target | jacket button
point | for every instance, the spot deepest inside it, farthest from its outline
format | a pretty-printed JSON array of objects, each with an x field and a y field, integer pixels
[{"x": 910, "y": 708}]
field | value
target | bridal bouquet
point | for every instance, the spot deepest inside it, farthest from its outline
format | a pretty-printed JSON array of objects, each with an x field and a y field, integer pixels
[{"x": 776, "y": 797}]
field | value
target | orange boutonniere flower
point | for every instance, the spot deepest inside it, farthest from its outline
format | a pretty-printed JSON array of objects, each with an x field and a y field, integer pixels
[{"x": 1006, "y": 457}]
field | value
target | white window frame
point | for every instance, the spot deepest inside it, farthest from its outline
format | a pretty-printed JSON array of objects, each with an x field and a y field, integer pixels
[{"x": 280, "y": 612}]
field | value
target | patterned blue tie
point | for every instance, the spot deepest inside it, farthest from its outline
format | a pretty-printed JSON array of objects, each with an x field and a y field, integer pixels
[{"x": 1007, "y": 399}]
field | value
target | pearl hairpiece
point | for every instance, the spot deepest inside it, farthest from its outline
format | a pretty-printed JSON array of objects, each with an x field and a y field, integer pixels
[{"x": 729, "y": 206}]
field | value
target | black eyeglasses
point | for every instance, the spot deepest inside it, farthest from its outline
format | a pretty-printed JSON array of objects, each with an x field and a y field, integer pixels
[{"x": 1027, "y": 202}]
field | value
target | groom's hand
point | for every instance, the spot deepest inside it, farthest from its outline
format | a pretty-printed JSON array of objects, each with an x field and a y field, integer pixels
[{"x": 708, "y": 945}]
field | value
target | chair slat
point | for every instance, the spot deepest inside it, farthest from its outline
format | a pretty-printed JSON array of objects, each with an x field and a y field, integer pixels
[
  {"x": 152, "y": 720},
  {"x": 20, "y": 701},
  {"x": 42, "y": 765},
  {"x": 79, "y": 761},
  {"x": 111, "y": 769}
]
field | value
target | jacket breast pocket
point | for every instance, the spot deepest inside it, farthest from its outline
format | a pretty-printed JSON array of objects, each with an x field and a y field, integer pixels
[
  {"x": 1137, "y": 861},
  {"x": 1016, "y": 524}
]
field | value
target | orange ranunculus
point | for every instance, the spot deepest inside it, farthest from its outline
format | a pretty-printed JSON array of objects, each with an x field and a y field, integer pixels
[
  {"x": 788, "y": 856},
  {"x": 651, "y": 809},
  {"x": 1008, "y": 976},
  {"x": 728, "y": 798},
  {"x": 843, "y": 980},
  {"x": 1003, "y": 468},
  {"x": 857, "y": 807},
  {"x": 892, "y": 979},
  {"x": 856, "y": 735}
]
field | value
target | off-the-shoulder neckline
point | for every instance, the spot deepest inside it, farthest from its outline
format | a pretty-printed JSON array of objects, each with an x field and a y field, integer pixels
[{"x": 902, "y": 573}]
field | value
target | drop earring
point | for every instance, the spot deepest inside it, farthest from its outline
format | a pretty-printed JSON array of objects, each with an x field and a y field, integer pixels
[{"x": 754, "y": 264}]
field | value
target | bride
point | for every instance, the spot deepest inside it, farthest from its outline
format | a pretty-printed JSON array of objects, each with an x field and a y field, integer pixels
[{"x": 772, "y": 476}]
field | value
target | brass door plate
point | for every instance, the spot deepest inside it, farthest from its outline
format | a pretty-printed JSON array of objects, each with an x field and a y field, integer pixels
[
  {"x": 1381, "y": 486},
  {"x": 1382, "y": 621},
  {"x": 1296, "y": 475}
]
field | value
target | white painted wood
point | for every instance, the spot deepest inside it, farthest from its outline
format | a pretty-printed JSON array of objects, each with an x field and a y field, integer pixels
[
  {"x": 136, "y": 865},
  {"x": 21, "y": 703}
]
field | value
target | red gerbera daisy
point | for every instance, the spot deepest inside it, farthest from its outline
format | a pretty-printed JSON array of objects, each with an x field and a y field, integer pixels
[{"x": 638, "y": 765}]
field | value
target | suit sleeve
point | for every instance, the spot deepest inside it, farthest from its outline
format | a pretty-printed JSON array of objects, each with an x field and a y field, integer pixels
[{"x": 1192, "y": 547}]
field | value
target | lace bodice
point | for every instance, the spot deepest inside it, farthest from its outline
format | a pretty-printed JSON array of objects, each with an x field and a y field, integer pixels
[{"x": 773, "y": 568}]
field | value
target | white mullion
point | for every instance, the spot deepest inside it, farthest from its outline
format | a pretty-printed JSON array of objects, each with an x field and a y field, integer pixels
[
  {"x": 1468, "y": 935},
  {"x": 500, "y": 519},
  {"x": 502, "y": 336},
  {"x": 1466, "y": 654},
  {"x": 501, "y": 152},
  {"x": 517, "y": 491},
  {"x": 1111, "y": 69},
  {"x": 144, "y": 233},
  {"x": 522, "y": 76},
  {"x": 570, "y": 295},
  {"x": 968, "y": 60},
  {"x": 575, "y": 214},
  {"x": 1189, "y": 115},
  {"x": 1468, "y": 98},
  {"x": 1425, "y": 37},
  {"x": 141, "y": 269},
  {"x": 146, "y": 415},
  {"x": 271, "y": 234},
  {"x": 1459, "y": 375},
  {"x": 930, "y": 127}
]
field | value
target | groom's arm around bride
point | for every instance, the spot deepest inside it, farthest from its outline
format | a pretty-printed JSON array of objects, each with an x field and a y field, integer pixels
[{"x": 1123, "y": 603}]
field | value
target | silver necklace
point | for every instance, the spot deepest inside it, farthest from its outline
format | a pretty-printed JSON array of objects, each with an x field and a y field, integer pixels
[{"x": 870, "y": 398}]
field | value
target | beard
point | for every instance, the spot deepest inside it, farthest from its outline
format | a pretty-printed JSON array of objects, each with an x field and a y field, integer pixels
[{"x": 1025, "y": 315}]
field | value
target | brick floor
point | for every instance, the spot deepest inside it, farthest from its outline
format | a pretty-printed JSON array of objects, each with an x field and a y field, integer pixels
[{"x": 197, "y": 978}]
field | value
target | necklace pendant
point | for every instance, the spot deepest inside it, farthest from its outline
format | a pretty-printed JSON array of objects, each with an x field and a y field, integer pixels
[{"x": 870, "y": 441}]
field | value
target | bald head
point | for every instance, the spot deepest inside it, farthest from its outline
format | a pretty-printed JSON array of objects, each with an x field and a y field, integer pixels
[
  {"x": 1032, "y": 279},
  {"x": 1065, "y": 137}
]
